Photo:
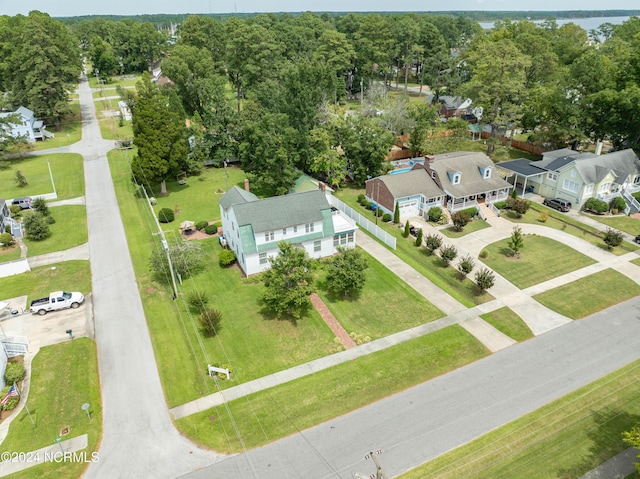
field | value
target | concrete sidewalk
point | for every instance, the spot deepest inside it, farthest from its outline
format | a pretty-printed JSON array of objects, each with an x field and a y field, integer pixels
[{"x": 79, "y": 252}]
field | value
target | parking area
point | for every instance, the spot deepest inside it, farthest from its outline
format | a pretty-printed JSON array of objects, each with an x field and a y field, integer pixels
[{"x": 50, "y": 328}]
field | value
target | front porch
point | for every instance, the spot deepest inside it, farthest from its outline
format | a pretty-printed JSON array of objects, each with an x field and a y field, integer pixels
[{"x": 459, "y": 204}]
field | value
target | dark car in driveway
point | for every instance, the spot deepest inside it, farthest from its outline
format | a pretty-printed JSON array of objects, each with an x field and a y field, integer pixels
[{"x": 557, "y": 203}]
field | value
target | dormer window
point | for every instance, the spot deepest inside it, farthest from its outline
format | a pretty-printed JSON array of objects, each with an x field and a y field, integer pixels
[
  {"x": 487, "y": 173},
  {"x": 455, "y": 179}
]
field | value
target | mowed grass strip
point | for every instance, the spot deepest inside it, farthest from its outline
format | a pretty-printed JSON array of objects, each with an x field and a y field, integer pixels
[
  {"x": 564, "y": 439},
  {"x": 619, "y": 222},
  {"x": 385, "y": 306},
  {"x": 294, "y": 406},
  {"x": 39, "y": 282},
  {"x": 430, "y": 267},
  {"x": 67, "y": 170},
  {"x": 69, "y": 230},
  {"x": 509, "y": 323},
  {"x": 541, "y": 259},
  {"x": 63, "y": 377},
  {"x": 70, "y": 130},
  {"x": 563, "y": 222},
  {"x": 590, "y": 294},
  {"x": 475, "y": 225}
]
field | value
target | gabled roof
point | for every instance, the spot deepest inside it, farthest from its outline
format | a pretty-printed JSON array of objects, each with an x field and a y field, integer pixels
[
  {"x": 236, "y": 195},
  {"x": 469, "y": 165},
  {"x": 25, "y": 112},
  {"x": 594, "y": 168},
  {"x": 282, "y": 211},
  {"x": 414, "y": 182}
]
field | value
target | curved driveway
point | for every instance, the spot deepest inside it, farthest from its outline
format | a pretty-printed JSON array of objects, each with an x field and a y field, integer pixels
[{"x": 139, "y": 439}]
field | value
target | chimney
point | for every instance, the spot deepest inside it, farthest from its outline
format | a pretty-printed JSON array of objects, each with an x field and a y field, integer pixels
[
  {"x": 430, "y": 158},
  {"x": 598, "y": 148},
  {"x": 322, "y": 186},
  {"x": 246, "y": 184}
]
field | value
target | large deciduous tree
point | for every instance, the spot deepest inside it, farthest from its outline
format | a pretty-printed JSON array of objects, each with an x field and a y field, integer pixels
[
  {"x": 289, "y": 281},
  {"x": 346, "y": 274},
  {"x": 159, "y": 134}
]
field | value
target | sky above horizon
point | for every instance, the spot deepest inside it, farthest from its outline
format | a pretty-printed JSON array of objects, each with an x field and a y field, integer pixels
[{"x": 73, "y": 8}]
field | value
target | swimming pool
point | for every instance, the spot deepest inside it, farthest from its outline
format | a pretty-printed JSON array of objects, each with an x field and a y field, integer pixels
[{"x": 401, "y": 170}]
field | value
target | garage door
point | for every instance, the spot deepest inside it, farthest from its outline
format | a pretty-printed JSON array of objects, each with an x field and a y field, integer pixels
[{"x": 408, "y": 208}]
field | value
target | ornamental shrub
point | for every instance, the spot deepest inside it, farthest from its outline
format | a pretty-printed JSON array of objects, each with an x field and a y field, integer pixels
[
  {"x": 596, "y": 205},
  {"x": 11, "y": 403},
  {"x": 51, "y": 220},
  {"x": 165, "y": 215},
  {"x": 6, "y": 239},
  {"x": 419, "y": 238},
  {"x": 361, "y": 198},
  {"x": 40, "y": 205},
  {"x": 209, "y": 320},
  {"x": 435, "y": 213},
  {"x": 226, "y": 258},
  {"x": 197, "y": 300},
  {"x": 386, "y": 217},
  {"x": 618, "y": 203},
  {"x": 200, "y": 225},
  {"x": 14, "y": 373},
  {"x": 211, "y": 229}
]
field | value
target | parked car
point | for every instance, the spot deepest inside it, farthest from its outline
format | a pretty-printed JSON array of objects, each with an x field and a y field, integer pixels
[
  {"x": 637, "y": 240},
  {"x": 557, "y": 203},
  {"x": 24, "y": 203}
]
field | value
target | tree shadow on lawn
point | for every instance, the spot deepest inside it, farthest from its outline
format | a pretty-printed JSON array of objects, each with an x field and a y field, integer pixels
[
  {"x": 335, "y": 298},
  {"x": 270, "y": 315},
  {"x": 605, "y": 430}
]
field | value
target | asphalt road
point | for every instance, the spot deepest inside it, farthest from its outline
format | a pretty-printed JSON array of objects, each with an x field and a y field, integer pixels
[
  {"x": 425, "y": 421},
  {"x": 139, "y": 439}
]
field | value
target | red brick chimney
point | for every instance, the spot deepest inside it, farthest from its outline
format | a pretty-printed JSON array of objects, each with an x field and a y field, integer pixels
[{"x": 246, "y": 184}]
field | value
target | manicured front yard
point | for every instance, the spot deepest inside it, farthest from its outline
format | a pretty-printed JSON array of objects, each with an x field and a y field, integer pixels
[
  {"x": 63, "y": 378},
  {"x": 385, "y": 306},
  {"x": 619, "y": 222},
  {"x": 590, "y": 294},
  {"x": 68, "y": 276},
  {"x": 294, "y": 406},
  {"x": 509, "y": 323},
  {"x": 70, "y": 130},
  {"x": 564, "y": 439},
  {"x": 10, "y": 253},
  {"x": 69, "y": 230},
  {"x": 475, "y": 225},
  {"x": 429, "y": 266},
  {"x": 541, "y": 259},
  {"x": 563, "y": 222},
  {"x": 67, "y": 170}
]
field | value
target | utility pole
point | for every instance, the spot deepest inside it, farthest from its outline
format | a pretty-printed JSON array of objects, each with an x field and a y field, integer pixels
[
  {"x": 380, "y": 474},
  {"x": 165, "y": 245}
]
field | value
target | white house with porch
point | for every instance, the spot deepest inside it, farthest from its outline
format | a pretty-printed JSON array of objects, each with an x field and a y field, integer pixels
[
  {"x": 252, "y": 227},
  {"x": 467, "y": 179},
  {"x": 25, "y": 125}
]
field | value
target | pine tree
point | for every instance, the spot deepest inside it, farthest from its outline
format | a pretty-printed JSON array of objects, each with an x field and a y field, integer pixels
[
  {"x": 396, "y": 214},
  {"x": 516, "y": 243}
]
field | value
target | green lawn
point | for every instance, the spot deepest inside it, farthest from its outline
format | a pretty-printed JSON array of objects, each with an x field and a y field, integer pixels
[
  {"x": 68, "y": 275},
  {"x": 475, "y": 225},
  {"x": 70, "y": 130},
  {"x": 509, "y": 323},
  {"x": 110, "y": 125},
  {"x": 63, "y": 378},
  {"x": 541, "y": 259},
  {"x": 69, "y": 230},
  {"x": 250, "y": 340},
  {"x": 385, "y": 306},
  {"x": 564, "y": 439},
  {"x": 620, "y": 222},
  {"x": 589, "y": 295},
  {"x": 563, "y": 222},
  {"x": 198, "y": 199},
  {"x": 9, "y": 254},
  {"x": 429, "y": 266},
  {"x": 67, "y": 170},
  {"x": 283, "y": 410}
]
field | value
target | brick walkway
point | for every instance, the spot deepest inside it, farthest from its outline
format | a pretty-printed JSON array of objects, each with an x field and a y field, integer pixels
[{"x": 331, "y": 321}]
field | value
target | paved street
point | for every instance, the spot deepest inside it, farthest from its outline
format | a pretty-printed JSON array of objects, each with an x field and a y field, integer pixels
[{"x": 139, "y": 438}]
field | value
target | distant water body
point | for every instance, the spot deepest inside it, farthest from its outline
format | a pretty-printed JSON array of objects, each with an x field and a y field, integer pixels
[{"x": 586, "y": 23}]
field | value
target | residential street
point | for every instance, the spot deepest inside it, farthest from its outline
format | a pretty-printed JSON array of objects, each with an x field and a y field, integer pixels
[{"x": 139, "y": 439}]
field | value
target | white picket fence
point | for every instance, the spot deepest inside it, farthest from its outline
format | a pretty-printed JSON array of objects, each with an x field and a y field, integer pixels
[{"x": 363, "y": 222}]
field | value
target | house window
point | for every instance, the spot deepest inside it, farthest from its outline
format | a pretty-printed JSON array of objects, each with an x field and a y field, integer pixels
[
  {"x": 317, "y": 246},
  {"x": 487, "y": 173},
  {"x": 308, "y": 228},
  {"x": 636, "y": 180},
  {"x": 350, "y": 237},
  {"x": 553, "y": 176},
  {"x": 268, "y": 236},
  {"x": 263, "y": 258},
  {"x": 336, "y": 240},
  {"x": 433, "y": 175},
  {"x": 588, "y": 189},
  {"x": 570, "y": 186},
  {"x": 605, "y": 187},
  {"x": 284, "y": 231},
  {"x": 295, "y": 229}
]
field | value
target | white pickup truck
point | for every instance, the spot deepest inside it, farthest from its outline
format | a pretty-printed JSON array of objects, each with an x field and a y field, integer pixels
[{"x": 56, "y": 300}]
